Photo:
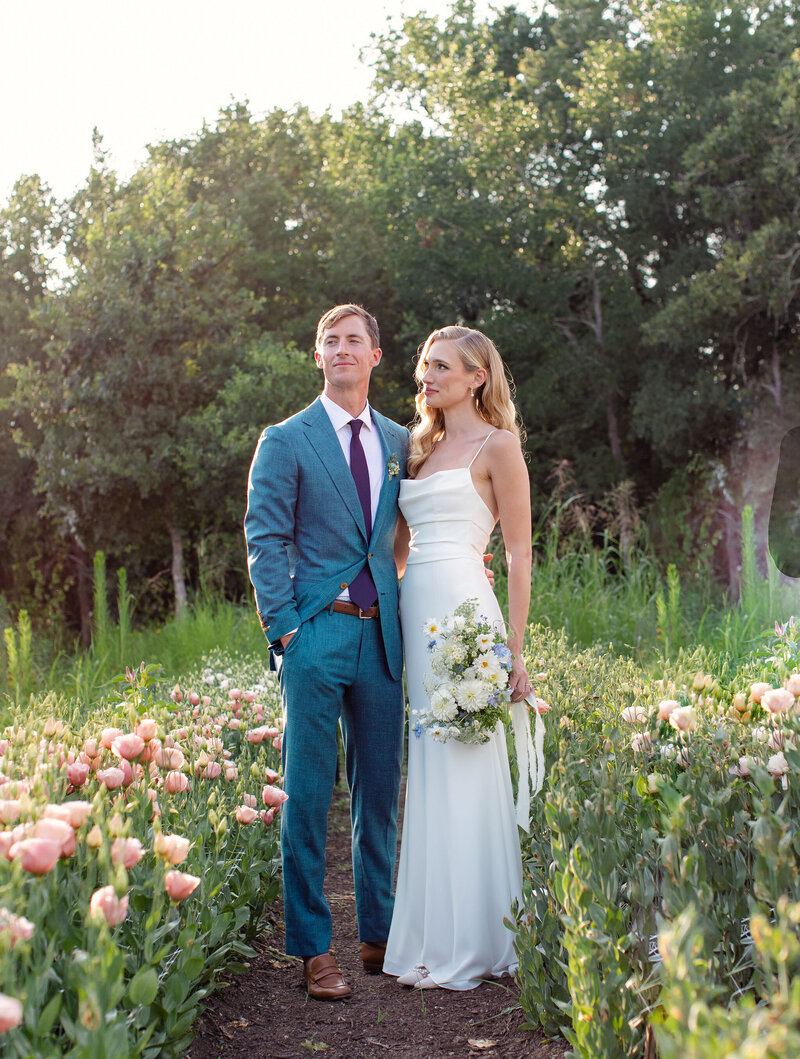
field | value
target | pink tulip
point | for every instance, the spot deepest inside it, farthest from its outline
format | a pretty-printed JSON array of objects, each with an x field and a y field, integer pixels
[
  {"x": 170, "y": 757},
  {"x": 128, "y": 746},
  {"x": 267, "y": 816},
  {"x": 75, "y": 813},
  {"x": 77, "y": 774},
  {"x": 175, "y": 782},
  {"x": 10, "y": 1013},
  {"x": 777, "y": 700},
  {"x": 36, "y": 855},
  {"x": 147, "y": 728},
  {"x": 250, "y": 799},
  {"x": 7, "y": 840},
  {"x": 95, "y": 837},
  {"x": 634, "y": 714},
  {"x": 641, "y": 741},
  {"x": 792, "y": 683},
  {"x": 234, "y": 723},
  {"x": 206, "y": 701},
  {"x": 231, "y": 773},
  {"x": 176, "y": 694},
  {"x": 180, "y": 884},
  {"x": 742, "y": 767},
  {"x": 194, "y": 698},
  {"x": 18, "y": 928},
  {"x": 273, "y": 796},
  {"x": 211, "y": 771},
  {"x": 105, "y": 903},
  {"x": 107, "y": 737},
  {"x": 271, "y": 775},
  {"x": 665, "y": 708},
  {"x": 151, "y": 749},
  {"x": 91, "y": 748},
  {"x": 111, "y": 778},
  {"x": 777, "y": 765},
  {"x": 173, "y": 848},
  {"x": 277, "y": 742},
  {"x": 757, "y": 690},
  {"x": 127, "y": 851},
  {"x": 58, "y": 831},
  {"x": 235, "y": 693},
  {"x": 246, "y": 815},
  {"x": 249, "y": 696},
  {"x": 683, "y": 718},
  {"x": 255, "y": 735},
  {"x": 9, "y": 810}
]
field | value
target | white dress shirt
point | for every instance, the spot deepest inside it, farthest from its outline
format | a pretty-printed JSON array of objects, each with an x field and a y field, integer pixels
[{"x": 371, "y": 444}]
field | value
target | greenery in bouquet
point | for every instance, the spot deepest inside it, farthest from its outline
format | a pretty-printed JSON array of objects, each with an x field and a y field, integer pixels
[{"x": 468, "y": 680}]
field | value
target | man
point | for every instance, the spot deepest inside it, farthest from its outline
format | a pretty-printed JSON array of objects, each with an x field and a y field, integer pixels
[{"x": 320, "y": 522}]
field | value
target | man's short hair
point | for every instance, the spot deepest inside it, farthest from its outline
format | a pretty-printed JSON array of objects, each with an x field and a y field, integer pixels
[{"x": 338, "y": 312}]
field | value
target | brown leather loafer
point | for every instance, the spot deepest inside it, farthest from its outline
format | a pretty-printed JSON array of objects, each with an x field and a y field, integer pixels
[
  {"x": 324, "y": 980},
  {"x": 372, "y": 953}
]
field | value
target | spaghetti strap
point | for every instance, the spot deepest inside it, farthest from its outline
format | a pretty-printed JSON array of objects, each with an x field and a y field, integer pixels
[{"x": 480, "y": 447}]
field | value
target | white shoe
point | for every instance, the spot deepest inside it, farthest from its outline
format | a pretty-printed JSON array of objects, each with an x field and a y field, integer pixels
[
  {"x": 414, "y": 976},
  {"x": 426, "y": 982}
]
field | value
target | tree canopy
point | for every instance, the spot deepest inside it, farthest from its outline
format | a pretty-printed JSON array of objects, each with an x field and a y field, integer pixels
[{"x": 609, "y": 190}]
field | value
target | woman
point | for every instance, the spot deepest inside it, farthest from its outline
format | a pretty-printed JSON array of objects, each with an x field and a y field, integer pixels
[{"x": 460, "y": 866}]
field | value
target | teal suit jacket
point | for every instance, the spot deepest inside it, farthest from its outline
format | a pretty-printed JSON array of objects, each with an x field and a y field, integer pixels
[{"x": 305, "y": 531}]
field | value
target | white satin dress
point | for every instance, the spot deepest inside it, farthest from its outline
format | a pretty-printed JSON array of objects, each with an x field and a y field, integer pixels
[{"x": 460, "y": 865}]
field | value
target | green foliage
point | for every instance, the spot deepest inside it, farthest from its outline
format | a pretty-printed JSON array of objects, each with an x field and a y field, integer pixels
[
  {"x": 640, "y": 821},
  {"x": 694, "y": 1023}
]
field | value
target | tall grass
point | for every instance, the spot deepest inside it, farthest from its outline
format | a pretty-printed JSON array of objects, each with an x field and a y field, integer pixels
[
  {"x": 632, "y": 609},
  {"x": 591, "y": 591}
]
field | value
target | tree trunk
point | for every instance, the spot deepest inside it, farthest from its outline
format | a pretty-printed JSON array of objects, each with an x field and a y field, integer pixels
[
  {"x": 83, "y": 591},
  {"x": 178, "y": 582},
  {"x": 613, "y": 434}
]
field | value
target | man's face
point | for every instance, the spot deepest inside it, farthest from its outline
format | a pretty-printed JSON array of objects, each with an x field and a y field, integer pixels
[{"x": 345, "y": 354}]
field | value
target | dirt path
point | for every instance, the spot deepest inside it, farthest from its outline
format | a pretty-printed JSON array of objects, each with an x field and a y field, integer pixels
[{"x": 266, "y": 1014}]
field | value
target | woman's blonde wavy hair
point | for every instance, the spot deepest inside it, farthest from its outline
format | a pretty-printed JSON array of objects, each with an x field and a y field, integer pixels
[{"x": 493, "y": 398}]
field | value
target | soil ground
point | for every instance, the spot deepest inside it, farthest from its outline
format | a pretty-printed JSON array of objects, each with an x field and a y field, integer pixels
[{"x": 265, "y": 1013}]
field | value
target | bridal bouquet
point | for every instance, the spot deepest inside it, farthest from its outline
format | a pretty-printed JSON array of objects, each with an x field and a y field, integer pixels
[{"x": 468, "y": 681}]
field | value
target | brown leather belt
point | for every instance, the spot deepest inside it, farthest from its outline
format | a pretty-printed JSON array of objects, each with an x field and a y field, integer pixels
[{"x": 341, "y": 607}]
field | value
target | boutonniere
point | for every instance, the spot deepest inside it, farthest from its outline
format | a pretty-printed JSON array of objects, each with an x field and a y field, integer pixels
[{"x": 393, "y": 467}]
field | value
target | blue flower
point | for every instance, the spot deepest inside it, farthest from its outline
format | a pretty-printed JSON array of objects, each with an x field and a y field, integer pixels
[
  {"x": 502, "y": 652},
  {"x": 432, "y": 644},
  {"x": 417, "y": 729}
]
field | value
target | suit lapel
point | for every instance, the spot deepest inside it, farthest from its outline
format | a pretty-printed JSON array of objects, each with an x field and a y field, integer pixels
[
  {"x": 387, "y": 503},
  {"x": 322, "y": 438}
]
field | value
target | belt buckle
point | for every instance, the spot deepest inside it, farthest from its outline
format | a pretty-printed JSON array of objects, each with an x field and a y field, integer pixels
[{"x": 363, "y": 615}]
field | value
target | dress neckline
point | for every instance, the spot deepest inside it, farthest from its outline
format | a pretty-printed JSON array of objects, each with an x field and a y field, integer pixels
[{"x": 450, "y": 470}]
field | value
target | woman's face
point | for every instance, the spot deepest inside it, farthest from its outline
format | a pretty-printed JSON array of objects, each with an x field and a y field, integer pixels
[{"x": 445, "y": 380}]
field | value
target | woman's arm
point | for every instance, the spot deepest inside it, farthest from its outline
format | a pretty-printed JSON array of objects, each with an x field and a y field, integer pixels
[
  {"x": 401, "y": 542},
  {"x": 512, "y": 491}
]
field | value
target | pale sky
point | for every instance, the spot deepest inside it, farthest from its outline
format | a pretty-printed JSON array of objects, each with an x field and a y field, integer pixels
[{"x": 156, "y": 69}]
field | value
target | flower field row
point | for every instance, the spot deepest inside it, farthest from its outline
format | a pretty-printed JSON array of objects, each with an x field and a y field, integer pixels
[
  {"x": 662, "y": 893},
  {"x": 138, "y": 856}
]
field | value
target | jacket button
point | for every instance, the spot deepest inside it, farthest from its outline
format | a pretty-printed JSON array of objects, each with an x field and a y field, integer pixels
[
  {"x": 370, "y": 555},
  {"x": 343, "y": 584}
]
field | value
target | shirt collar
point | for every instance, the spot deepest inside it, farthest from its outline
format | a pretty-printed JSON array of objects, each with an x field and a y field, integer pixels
[{"x": 340, "y": 418}]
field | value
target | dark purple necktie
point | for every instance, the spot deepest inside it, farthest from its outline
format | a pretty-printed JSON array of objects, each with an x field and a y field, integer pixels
[{"x": 362, "y": 589}]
